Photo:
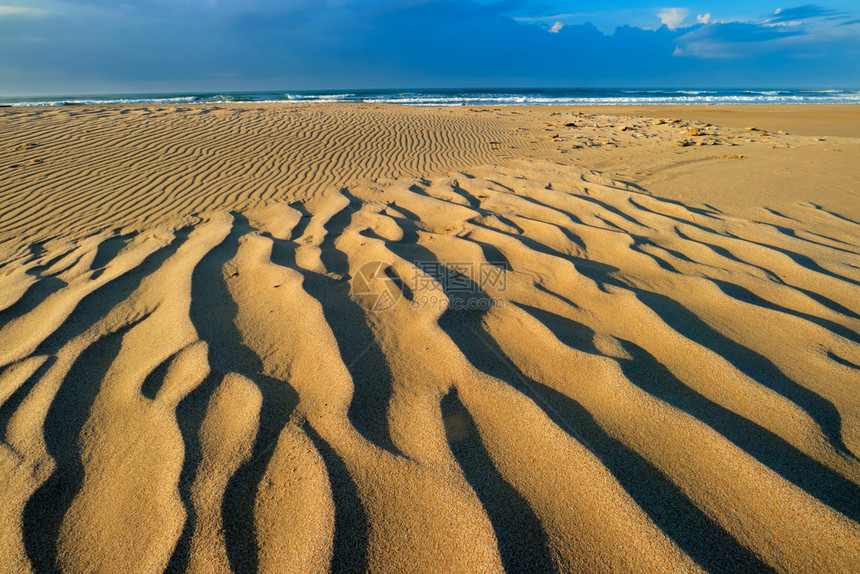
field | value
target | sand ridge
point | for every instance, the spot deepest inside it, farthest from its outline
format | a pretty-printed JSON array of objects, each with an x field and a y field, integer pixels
[{"x": 547, "y": 366}]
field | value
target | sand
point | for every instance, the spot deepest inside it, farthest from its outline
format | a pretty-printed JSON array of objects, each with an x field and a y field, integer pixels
[{"x": 309, "y": 338}]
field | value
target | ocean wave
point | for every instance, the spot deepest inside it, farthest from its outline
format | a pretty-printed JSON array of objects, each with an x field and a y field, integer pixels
[
  {"x": 100, "y": 100},
  {"x": 475, "y": 97}
]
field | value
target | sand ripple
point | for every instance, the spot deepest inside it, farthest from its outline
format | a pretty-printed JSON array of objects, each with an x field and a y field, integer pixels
[{"x": 544, "y": 369}]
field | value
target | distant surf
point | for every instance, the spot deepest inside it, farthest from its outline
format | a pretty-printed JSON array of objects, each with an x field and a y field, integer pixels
[{"x": 471, "y": 97}]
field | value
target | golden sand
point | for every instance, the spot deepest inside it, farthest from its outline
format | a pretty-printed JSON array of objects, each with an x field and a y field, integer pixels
[{"x": 303, "y": 338}]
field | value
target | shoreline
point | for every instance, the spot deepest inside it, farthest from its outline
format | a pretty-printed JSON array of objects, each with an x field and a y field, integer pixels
[
  {"x": 841, "y": 120},
  {"x": 833, "y": 119},
  {"x": 477, "y": 96}
]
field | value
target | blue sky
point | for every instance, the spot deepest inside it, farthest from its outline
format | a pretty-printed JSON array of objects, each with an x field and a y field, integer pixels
[{"x": 108, "y": 46}]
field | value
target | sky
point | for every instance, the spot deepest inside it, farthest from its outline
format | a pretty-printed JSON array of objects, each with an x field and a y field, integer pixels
[{"x": 68, "y": 47}]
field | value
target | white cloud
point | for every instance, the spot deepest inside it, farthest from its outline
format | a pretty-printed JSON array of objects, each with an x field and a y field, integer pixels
[
  {"x": 673, "y": 17},
  {"x": 20, "y": 11},
  {"x": 703, "y": 18},
  {"x": 556, "y": 28}
]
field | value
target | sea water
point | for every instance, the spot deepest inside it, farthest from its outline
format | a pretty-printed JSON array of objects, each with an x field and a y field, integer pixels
[{"x": 472, "y": 97}]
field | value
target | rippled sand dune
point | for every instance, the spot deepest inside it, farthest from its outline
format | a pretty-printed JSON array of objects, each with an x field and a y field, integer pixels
[{"x": 342, "y": 338}]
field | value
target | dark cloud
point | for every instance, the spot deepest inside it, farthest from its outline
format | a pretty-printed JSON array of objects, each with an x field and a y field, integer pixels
[
  {"x": 738, "y": 32},
  {"x": 801, "y": 13},
  {"x": 787, "y": 34},
  {"x": 733, "y": 40}
]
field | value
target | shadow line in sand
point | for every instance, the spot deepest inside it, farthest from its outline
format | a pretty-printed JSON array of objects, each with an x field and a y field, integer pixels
[
  {"x": 799, "y": 259},
  {"x": 351, "y": 528},
  {"x": 359, "y": 350},
  {"x": 66, "y": 417},
  {"x": 34, "y": 296},
  {"x": 523, "y": 544},
  {"x": 100, "y": 302},
  {"x": 14, "y": 400},
  {"x": 213, "y": 314},
  {"x": 817, "y": 297},
  {"x": 829, "y": 487},
  {"x": 687, "y": 324},
  {"x": 704, "y": 540},
  {"x": 695, "y": 533},
  {"x": 189, "y": 415},
  {"x": 748, "y": 362},
  {"x": 108, "y": 250},
  {"x": 747, "y": 296}
]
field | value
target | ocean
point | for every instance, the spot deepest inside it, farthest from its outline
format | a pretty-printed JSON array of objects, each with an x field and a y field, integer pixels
[{"x": 471, "y": 97}]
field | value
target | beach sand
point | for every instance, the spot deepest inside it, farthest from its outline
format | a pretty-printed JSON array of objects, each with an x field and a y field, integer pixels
[{"x": 302, "y": 338}]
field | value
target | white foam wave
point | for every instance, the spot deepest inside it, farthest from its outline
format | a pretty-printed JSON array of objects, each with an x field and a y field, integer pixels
[{"x": 484, "y": 98}]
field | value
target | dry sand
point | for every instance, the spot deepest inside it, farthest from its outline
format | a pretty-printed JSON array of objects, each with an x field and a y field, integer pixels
[{"x": 284, "y": 338}]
